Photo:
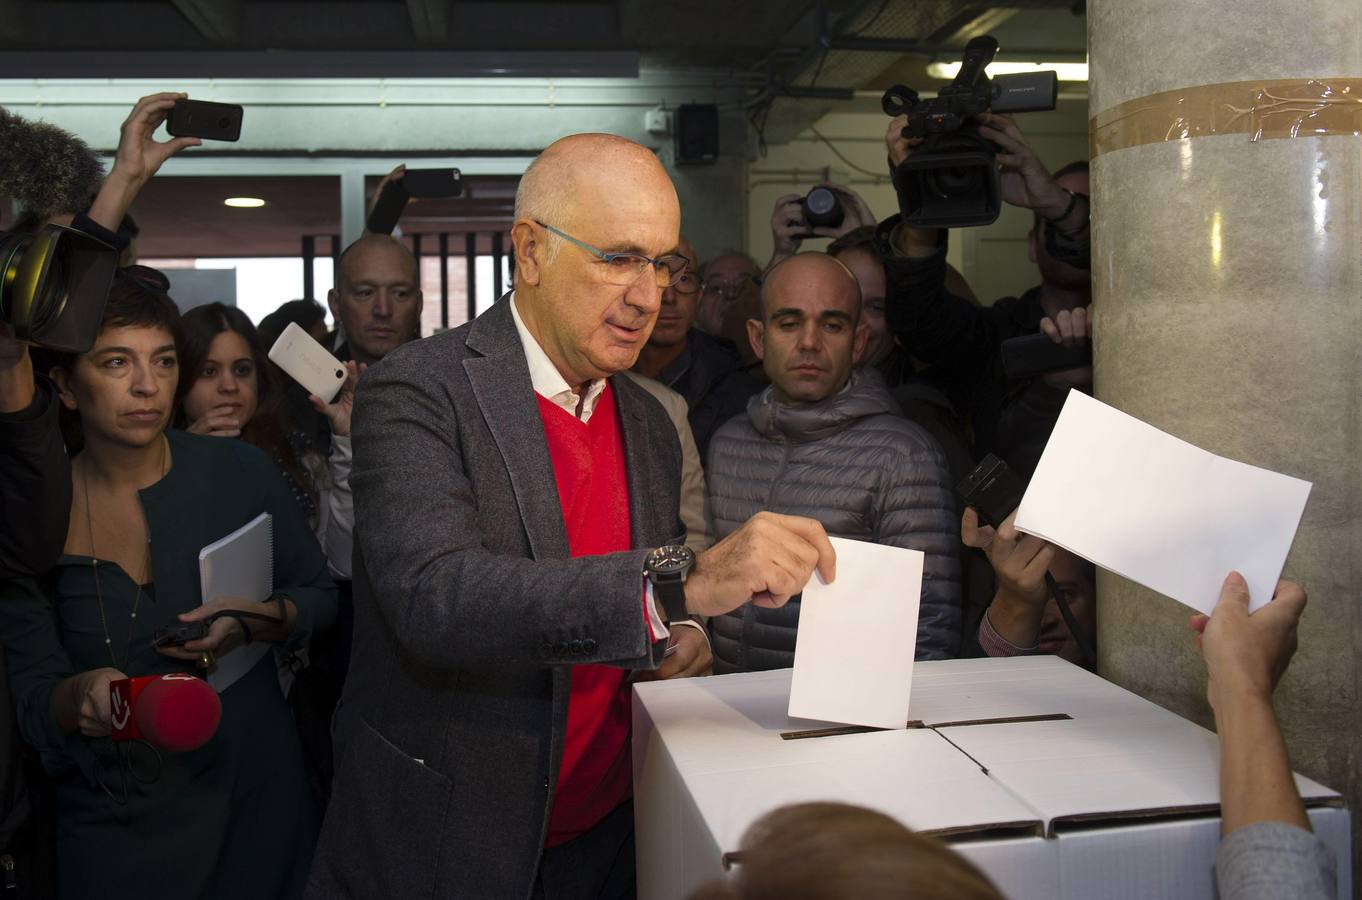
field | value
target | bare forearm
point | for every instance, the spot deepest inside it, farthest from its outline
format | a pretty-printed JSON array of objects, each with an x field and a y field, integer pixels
[
  {"x": 1255, "y": 772},
  {"x": 114, "y": 199}
]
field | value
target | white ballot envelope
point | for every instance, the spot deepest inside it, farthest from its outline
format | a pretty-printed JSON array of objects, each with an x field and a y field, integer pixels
[
  {"x": 1158, "y": 510},
  {"x": 854, "y": 649}
]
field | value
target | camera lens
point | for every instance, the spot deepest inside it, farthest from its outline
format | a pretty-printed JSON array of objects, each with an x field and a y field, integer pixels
[
  {"x": 340, "y": 373},
  {"x": 821, "y": 201},
  {"x": 952, "y": 181}
]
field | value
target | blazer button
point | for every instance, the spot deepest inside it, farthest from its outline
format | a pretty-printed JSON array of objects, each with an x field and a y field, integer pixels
[
  {"x": 588, "y": 647},
  {"x": 576, "y": 647}
]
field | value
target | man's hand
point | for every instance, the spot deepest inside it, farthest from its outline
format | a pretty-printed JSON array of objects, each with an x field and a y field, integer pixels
[
  {"x": 339, "y": 411},
  {"x": 1068, "y": 328},
  {"x": 1247, "y": 654},
  {"x": 395, "y": 175},
  {"x": 1024, "y": 180},
  {"x": 789, "y": 227},
  {"x": 219, "y": 421},
  {"x": 138, "y": 158},
  {"x": 17, "y": 385},
  {"x": 1020, "y": 562},
  {"x": 766, "y": 561},
  {"x": 688, "y": 656},
  {"x": 899, "y": 147}
]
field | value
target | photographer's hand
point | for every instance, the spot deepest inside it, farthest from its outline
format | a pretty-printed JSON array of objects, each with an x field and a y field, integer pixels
[
  {"x": 1024, "y": 180},
  {"x": 1068, "y": 328},
  {"x": 138, "y": 158},
  {"x": 17, "y": 385},
  {"x": 1020, "y": 562},
  {"x": 395, "y": 175}
]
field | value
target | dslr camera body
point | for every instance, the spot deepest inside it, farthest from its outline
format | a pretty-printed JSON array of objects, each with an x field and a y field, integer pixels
[{"x": 951, "y": 178}]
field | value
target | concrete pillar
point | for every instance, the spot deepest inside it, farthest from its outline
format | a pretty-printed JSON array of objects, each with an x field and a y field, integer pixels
[{"x": 1228, "y": 293}]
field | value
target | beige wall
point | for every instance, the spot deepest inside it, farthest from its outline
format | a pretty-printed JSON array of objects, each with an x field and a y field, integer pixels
[{"x": 993, "y": 259}]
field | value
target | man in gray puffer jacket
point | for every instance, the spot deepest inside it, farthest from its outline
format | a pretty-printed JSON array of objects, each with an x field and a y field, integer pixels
[{"x": 829, "y": 443}]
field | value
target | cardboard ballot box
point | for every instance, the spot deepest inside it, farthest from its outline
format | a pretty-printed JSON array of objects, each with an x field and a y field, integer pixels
[{"x": 1056, "y": 783}]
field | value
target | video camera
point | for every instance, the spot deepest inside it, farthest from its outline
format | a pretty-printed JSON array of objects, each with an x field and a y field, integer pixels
[
  {"x": 951, "y": 178},
  {"x": 53, "y": 286}
]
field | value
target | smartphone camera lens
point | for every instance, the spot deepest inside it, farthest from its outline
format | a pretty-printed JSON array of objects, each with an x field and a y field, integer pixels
[{"x": 340, "y": 373}]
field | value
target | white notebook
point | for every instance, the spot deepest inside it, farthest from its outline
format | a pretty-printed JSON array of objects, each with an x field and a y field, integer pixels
[{"x": 239, "y": 565}]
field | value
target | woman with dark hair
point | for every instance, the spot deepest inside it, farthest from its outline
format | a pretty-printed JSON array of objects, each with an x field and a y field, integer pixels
[
  {"x": 308, "y": 315},
  {"x": 233, "y": 818},
  {"x": 229, "y": 388}
]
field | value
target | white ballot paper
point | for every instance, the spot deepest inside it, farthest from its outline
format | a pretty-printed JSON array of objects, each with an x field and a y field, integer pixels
[
  {"x": 854, "y": 650},
  {"x": 1158, "y": 510}
]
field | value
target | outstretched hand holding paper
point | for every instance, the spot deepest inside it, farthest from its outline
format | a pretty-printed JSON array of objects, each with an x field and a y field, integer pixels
[{"x": 1158, "y": 510}]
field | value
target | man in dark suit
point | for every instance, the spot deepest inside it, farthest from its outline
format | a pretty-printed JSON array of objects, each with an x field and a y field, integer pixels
[{"x": 516, "y": 516}]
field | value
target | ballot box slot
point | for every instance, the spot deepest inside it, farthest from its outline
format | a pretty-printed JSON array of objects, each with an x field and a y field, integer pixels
[{"x": 837, "y": 731}]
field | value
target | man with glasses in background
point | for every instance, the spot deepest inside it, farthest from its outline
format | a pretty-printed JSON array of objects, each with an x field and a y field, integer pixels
[
  {"x": 705, "y": 370},
  {"x": 518, "y": 538},
  {"x": 730, "y": 295}
]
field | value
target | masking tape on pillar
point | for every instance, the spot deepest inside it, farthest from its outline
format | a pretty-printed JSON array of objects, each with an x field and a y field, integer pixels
[{"x": 1259, "y": 109}]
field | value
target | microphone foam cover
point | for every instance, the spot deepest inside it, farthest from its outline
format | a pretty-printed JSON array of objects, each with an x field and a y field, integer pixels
[{"x": 178, "y": 712}]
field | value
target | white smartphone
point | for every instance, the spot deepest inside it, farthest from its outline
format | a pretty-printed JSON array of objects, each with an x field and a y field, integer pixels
[{"x": 308, "y": 363}]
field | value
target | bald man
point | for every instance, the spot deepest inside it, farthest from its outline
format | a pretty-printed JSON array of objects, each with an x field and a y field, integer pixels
[
  {"x": 519, "y": 561},
  {"x": 377, "y": 299},
  {"x": 828, "y": 442}
]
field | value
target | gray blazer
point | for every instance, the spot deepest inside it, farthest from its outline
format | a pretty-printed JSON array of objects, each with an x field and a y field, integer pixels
[{"x": 468, "y": 614}]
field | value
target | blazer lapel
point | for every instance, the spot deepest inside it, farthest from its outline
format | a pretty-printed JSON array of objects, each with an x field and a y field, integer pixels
[
  {"x": 500, "y": 378},
  {"x": 640, "y": 464}
]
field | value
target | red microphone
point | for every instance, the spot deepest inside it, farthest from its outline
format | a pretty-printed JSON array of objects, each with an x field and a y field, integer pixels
[{"x": 175, "y": 712}]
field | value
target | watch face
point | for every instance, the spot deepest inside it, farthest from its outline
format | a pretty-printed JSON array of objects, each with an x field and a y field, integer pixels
[{"x": 671, "y": 559}]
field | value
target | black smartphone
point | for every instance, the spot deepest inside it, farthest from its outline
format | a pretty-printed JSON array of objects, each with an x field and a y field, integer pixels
[
  {"x": 433, "y": 182},
  {"x": 202, "y": 119},
  {"x": 180, "y": 633},
  {"x": 1036, "y": 354}
]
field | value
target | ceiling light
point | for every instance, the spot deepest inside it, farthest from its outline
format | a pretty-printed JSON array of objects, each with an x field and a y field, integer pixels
[
  {"x": 1067, "y": 71},
  {"x": 244, "y": 202}
]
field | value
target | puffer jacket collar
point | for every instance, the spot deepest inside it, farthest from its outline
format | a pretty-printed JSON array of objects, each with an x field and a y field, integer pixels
[{"x": 865, "y": 395}]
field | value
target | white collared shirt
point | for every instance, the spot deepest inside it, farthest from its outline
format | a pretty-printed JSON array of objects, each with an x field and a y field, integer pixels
[{"x": 548, "y": 382}]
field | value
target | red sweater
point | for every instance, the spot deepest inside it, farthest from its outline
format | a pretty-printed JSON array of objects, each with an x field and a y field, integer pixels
[{"x": 593, "y": 487}]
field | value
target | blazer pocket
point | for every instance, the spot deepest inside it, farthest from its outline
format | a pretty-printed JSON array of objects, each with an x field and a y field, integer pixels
[{"x": 386, "y": 820}]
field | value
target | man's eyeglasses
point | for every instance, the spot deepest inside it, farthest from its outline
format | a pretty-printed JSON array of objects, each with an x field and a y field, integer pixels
[
  {"x": 626, "y": 268},
  {"x": 687, "y": 283},
  {"x": 730, "y": 287}
]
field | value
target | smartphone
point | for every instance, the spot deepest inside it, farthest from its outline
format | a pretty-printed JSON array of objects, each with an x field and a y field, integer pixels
[
  {"x": 181, "y": 633},
  {"x": 308, "y": 363},
  {"x": 202, "y": 119},
  {"x": 1036, "y": 354},
  {"x": 433, "y": 182}
]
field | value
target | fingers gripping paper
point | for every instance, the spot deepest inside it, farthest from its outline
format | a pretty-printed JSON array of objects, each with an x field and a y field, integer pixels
[
  {"x": 1158, "y": 510},
  {"x": 854, "y": 649}
]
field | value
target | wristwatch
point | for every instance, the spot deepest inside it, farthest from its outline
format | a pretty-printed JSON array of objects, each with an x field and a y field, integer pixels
[{"x": 666, "y": 569}]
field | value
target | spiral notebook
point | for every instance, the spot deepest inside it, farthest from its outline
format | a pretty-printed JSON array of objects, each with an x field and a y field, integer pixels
[{"x": 239, "y": 565}]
